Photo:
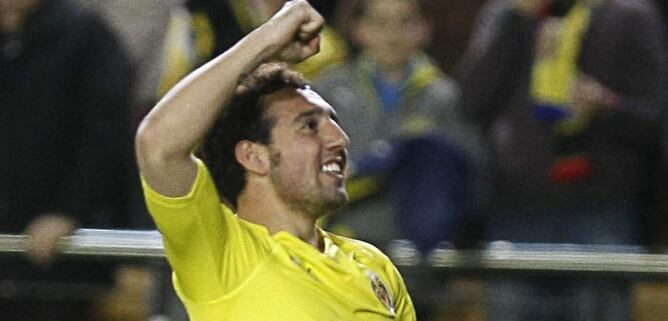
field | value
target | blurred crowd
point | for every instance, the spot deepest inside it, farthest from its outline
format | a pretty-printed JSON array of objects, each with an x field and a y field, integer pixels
[{"x": 529, "y": 121}]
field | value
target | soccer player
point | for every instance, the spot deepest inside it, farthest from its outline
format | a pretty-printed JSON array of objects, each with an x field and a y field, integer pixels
[{"x": 273, "y": 151}]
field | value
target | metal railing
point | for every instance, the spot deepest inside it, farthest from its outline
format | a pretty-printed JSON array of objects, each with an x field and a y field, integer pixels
[
  {"x": 498, "y": 256},
  {"x": 94, "y": 242}
]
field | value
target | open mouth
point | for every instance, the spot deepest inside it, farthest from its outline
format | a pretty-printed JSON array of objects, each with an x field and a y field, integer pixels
[
  {"x": 335, "y": 165},
  {"x": 332, "y": 167}
]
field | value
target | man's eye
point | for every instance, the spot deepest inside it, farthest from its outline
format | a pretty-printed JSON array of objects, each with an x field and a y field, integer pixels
[{"x": 311, "y": 124}]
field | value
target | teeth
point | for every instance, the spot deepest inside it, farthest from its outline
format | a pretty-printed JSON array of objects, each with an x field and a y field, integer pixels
[{"x": 331, "y": 168}]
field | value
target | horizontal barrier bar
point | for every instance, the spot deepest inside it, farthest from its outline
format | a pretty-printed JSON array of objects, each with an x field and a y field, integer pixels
[
  {"x": 113, "y": 243},
  {"x": 644, "y": 264},
  {"x": 508, "y": 257}
]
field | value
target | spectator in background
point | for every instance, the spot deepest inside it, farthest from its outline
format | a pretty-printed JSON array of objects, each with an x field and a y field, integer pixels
[
  {"x": 398, "y": 108},
  {"x": 570, "y": 94},
  {"x": 65, "y": 84}
]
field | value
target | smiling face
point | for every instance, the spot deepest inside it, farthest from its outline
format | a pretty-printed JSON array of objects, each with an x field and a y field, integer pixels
[{"x": 308, "y": 152}]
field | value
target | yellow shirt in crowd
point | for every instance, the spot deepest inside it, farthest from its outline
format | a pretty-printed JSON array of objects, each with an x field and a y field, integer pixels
[{"x": 226, "y": 268}]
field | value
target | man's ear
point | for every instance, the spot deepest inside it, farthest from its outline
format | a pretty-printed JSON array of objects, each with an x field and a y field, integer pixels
[{"x": 253, "y": 157}]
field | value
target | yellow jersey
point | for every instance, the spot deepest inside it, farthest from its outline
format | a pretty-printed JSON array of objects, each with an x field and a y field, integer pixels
[{"x": 227, "y": 268}]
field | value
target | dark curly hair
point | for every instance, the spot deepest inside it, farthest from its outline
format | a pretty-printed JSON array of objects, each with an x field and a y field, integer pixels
[{"x": 244, "y": 119}]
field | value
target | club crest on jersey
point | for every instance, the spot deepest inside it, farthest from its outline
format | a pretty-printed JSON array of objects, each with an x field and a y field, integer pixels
[{"x": 381, "y": 290}]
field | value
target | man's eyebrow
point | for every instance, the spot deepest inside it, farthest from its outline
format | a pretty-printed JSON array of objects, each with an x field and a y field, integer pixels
[
  {"x": 316, "y": 112},
  {"x": 334, "y": 116}
]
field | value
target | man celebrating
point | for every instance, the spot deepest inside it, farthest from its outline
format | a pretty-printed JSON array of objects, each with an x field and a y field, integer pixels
[{"x": 274, "y": 152}]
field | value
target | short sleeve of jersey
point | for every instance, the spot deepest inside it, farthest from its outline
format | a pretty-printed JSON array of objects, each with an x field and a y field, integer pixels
[
  {"x": 379, "y": 262},
  {"x": 402, "y": 300},
  {"x": 404, "y": 304},
  {"x": 209, "y": 248}
]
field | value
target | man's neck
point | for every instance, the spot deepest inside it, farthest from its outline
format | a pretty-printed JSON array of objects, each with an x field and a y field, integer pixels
[{"x": 277, "y": 217}]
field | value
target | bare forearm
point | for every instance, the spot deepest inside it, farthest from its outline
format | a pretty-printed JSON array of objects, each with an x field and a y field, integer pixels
[{"x": 182, "y": 118}]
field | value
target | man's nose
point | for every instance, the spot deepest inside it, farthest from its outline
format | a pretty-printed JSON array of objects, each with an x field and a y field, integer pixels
[{"x": 336, "y": 137}]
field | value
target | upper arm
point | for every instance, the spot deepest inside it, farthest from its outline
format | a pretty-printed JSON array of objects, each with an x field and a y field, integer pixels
[
  {"x": 403, "y": 303},
  {"x": 168, "y": 174}
]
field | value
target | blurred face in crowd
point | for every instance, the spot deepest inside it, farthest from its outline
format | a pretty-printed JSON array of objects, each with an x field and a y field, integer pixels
[
  {"x": 14, "y": 12},
  {"x": 18, "y": 6},
  {"x": 392, "y": 31}
]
